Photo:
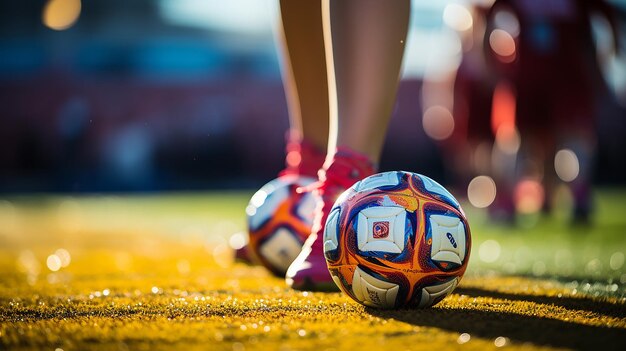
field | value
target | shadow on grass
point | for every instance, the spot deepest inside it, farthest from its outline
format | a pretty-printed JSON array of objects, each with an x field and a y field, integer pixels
[
  {"x": 521, "y": 328},
  {"x": 571, "y": 303}
]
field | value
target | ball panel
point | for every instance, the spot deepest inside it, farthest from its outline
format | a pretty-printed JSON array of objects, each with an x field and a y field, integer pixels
[
  {"x": 378, "y": 180},
  {"x": 306, "y": 208},
  {"x": 281, "y": 249},
  {"x": 436, "y": 188},
  {"x": 434, "y": 293},
  {"x": 330, "y": 231},
  {"x": 372, "y": 291},
  {"x": 382, "y": 211},
  {"x": 448, "y": 239},
  {"x": 381, "y": 229},
  {"x": 265, "y": 202}
]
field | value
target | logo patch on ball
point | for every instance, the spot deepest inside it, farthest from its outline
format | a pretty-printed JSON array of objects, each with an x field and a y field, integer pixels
[
  {"x": 380, "y": 230},
  {"x": 451, "y": 238}
]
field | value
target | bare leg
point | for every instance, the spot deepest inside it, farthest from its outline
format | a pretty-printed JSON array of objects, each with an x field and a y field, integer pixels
[
  {"x": 304, "y": 71},
  {"x": 365, "y": 42},
  {"x": 364, "y": 47}
]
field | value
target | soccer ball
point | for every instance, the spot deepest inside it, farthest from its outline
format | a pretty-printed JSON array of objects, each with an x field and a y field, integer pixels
[
  {"x": 279, "y": 221},
  {"x": 397, "y": 240}
]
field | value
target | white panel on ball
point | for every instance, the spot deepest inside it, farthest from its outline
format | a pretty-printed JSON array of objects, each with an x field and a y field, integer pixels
[
  {"x": 266, "y": 205},
  {"x": 373, "y": 291},
  {"x": 437, "y": 188},
  {"x": 281, "y": 249},
  {"x": 330, "y": 231},
  {"x": 448, "y": 235},
  {"x": 431, "y": 293},
  {"x": 306, "y": 208},
  {"x": 390, "y": 222},
  {"x": 378, "y": 180}
]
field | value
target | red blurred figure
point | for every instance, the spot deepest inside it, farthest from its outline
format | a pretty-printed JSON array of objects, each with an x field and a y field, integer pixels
[{"x": 544, "y": 56}]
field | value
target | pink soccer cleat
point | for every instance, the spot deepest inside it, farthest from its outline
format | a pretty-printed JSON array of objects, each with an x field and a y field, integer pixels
[
  {"x": 302, "y": 158},
  {"x": 309, "y": 270}
]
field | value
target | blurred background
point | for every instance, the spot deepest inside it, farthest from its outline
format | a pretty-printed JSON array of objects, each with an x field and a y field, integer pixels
[{"x": 152, "y": 95}]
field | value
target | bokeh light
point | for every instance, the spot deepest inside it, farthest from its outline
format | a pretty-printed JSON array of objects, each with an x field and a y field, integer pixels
[
  {"x": 503, "y": 44},
  {"x": 529, "y": 196},
  {"x": 489, "y": 251},
  {"x": 508, "y": 139},
  {"x": 594, "y": 267},
  {"x": 256, "y": 201},
  {"x": 500, "y": 341},
  {"x": 503, "y": 109},
  {"x": 463, "y": 338},
  {"x": 481, "y": 191},
  {"x": 481, "y": 158},
  {"x": 64, "y": 256},
  {"x": 566, "y": 165},
  {"x": 238, "y": 240},
  {"x": 438, "y": 122},
  {"x": 28, "y": 263},
  {"x": 61, "y": 14},
  {"x": 183, "y": 266},
  {"x": 293, "y": 158},
  {"x": 617, "y": 261},
  {"x": 220, "y": 251},
  {"x": 507, "y": 20},
  {"x": 457, "y": 17},
  {"x": 53, "y": 262}
]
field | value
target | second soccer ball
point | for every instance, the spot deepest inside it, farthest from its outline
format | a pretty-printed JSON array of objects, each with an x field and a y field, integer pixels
[{"x": 279, "y": 221}]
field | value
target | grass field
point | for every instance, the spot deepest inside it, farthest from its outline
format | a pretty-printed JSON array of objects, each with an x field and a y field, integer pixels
[{"x": 157, "y": 272}]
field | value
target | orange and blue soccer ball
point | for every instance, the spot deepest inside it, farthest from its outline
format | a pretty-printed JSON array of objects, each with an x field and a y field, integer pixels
[
  {"x": 397, "y": 240},
  {"x": 279, "y": 221}
]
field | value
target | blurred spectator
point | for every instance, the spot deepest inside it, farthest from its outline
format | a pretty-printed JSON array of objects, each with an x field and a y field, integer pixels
[
  {"x": 523, "y": 102},
  {"x": 545, "y": 58}
]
